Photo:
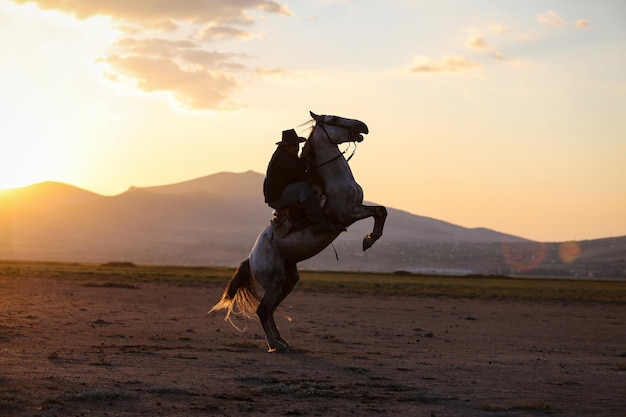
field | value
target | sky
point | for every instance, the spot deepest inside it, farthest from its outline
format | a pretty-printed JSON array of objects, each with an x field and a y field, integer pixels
[{"x": 505, "y": 115}]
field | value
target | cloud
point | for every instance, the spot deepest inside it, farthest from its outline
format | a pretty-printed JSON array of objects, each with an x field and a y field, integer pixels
[
  {"x": 478, "y": 42},
  {"x": 270, "y": 72},
  {"x": 212, "y": 59},
  {"x": 196, "y": 77},
  {"x": 498, "y": 28},
  {"x": 452, "y": 64},
  {"x": 526, "y": 37},
  {"x": 275, "y": 7},
  {"x": 154, "y": 12},
  {"x": 499, "y": 55},
  {"x": 582, "y": 24},
  {"x": 551, "y": 18},
  {"x": 220, "y": 32},
  {"x": 200, "y": 89},
  {"x": 164, "y": 46},
  {"x": 153, "y": 46}
]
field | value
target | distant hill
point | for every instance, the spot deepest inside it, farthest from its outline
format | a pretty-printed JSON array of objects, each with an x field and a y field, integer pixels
[
  {"x": 46, "y": 195},
  {"x": 246, "y": 186},
  {"x": 214, "y": 220}
]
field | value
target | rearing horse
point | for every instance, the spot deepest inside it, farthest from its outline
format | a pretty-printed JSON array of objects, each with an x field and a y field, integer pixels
[{"x": 273, "y": 259}]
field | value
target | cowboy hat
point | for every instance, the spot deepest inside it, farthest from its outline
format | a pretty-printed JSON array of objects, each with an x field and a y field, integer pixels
[{"x": 290, "y": 137}]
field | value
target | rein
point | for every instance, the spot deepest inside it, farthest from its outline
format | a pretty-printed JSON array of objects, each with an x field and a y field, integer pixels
[{"x": 333, "y": 143}]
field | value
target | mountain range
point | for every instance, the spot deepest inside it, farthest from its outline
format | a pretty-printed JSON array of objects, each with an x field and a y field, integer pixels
[{"x": 214, "y": 220}]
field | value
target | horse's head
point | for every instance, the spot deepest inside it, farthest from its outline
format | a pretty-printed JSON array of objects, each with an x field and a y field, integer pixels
[{"x": 339, "y": 129}]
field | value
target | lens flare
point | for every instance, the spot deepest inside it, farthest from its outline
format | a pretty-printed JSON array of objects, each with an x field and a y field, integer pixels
[
  {"x": 524, "y": 256},
  {"x": 569, "y": 251}
]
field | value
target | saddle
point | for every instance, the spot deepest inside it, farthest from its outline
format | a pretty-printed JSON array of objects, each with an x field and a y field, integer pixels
[{"x": 289, "y": 219}]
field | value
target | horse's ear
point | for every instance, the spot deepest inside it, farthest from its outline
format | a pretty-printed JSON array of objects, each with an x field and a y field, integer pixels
[{"x": 314, "y": 116}]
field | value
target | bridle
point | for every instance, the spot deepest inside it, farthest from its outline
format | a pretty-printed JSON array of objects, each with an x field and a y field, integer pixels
[{"x": 321, "y": 124}]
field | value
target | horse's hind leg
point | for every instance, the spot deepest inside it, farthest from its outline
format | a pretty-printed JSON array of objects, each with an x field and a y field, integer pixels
[
  {"x": 265, "y": 311},
  {"x": 272, "y": 298},
  {"x": 291, "y": 279}
]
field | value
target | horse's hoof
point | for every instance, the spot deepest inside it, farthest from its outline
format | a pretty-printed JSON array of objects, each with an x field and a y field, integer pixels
[
  {"x": 280, "y": 348},
  {"x": 368, "y": 241}
]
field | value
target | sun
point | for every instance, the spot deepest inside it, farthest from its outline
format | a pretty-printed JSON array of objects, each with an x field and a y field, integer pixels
[
  {"x": 27, "y": 154},
  {"x": 47, "y": 92}
]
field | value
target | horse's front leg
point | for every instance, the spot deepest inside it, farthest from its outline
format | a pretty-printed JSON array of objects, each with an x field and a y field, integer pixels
[{"x": 379, "y": 213}]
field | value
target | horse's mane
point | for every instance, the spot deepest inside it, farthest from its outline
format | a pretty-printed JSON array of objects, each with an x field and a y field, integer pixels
[{"x": 310, "y": 125}]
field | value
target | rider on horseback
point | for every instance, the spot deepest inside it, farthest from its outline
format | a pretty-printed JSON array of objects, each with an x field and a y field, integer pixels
[
  {"x": 285, "y": 182},
  {"x": 273, "y": 260}
]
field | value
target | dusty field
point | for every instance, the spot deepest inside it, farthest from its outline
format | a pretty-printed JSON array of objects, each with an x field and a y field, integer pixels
[{"x": 67, "y": 349}]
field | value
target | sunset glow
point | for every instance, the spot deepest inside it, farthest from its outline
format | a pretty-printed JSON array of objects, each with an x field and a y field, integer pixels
[{"x": 508, "y": 116}]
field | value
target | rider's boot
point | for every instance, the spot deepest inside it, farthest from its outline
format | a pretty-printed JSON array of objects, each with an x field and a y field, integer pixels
[{"x": 316, "y": 215}]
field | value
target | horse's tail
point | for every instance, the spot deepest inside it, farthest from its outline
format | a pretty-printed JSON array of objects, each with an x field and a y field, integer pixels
[{"x": 240, "y": 291}]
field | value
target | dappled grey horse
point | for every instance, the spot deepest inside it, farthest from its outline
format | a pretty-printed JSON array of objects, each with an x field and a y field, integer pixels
[{"x": 273, "y": 259}]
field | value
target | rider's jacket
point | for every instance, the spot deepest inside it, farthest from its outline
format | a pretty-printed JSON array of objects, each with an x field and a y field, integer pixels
[{"x": 284, "y": 168}]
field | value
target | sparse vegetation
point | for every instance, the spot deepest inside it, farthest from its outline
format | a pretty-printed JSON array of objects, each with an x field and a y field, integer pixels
[
  {"x": 170, "y": 390},
  {"x": 244, "y": 344},
  {"x": 99, "y": 394},
  {"x": 519, "y": 406},
  {"x": 356, "y": 369},
  {"x": 331, "y": 338},
  {"x": 302, "y": 389},
  {"x": 97, "y": 275},
  {"x": 620, "y": 366},
  {"x": 9, "y": 401},
  {"x": 119, "y": 264},
  {"x": 496, "y": 287},
  {"x": 112, "y": 285},
  {"x": 271, "y": 385},
  {"x": 466, "y": 287},
  {"x": 53, "y": 355},
  {"x": 256, "y": 378}
]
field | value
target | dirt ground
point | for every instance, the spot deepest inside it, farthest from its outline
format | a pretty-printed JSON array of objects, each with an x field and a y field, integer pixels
[{"x": 67, "y": 349}]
